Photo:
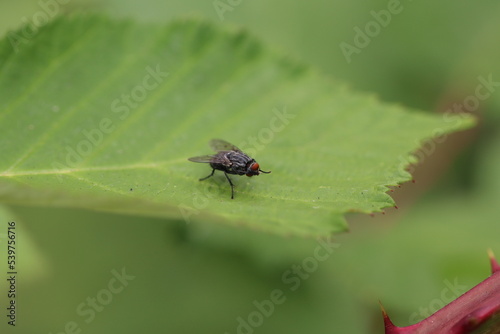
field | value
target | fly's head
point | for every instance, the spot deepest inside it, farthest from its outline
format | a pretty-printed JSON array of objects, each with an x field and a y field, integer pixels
[{"x": 253, "y": 168}]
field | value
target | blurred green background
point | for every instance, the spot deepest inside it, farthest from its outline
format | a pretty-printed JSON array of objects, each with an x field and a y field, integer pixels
[{"x": 196, "y": 279}]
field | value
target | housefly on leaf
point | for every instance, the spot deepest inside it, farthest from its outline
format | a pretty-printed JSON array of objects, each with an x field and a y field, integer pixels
[{"x": 230, "y": 160}]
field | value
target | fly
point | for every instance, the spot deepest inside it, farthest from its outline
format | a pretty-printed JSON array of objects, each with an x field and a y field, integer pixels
[{"x": 230, "y": 160}]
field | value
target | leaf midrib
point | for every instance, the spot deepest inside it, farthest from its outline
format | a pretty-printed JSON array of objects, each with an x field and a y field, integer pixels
[{"x": 150, "y": 165}]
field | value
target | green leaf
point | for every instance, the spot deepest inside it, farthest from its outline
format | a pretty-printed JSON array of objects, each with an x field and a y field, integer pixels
[{"x": 103, "y": 115}]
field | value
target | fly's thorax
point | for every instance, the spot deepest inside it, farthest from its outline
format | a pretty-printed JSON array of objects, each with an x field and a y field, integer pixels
[{"x": 238, "y": 162}]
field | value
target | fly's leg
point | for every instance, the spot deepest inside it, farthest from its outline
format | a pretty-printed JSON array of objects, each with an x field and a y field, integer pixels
[
  {"x": 232, "y": 185},
  {"x": 204, "y": 178}
]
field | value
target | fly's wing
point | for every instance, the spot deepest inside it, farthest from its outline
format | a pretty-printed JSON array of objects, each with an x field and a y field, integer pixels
[
  {"x": 222, "y": 145},
  {"x": 203, "y": 158},
  {"x": 217, "y": 159}
]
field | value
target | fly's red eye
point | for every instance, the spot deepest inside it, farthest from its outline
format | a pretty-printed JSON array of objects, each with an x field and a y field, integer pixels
[{"x": 255, "y": 167}]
